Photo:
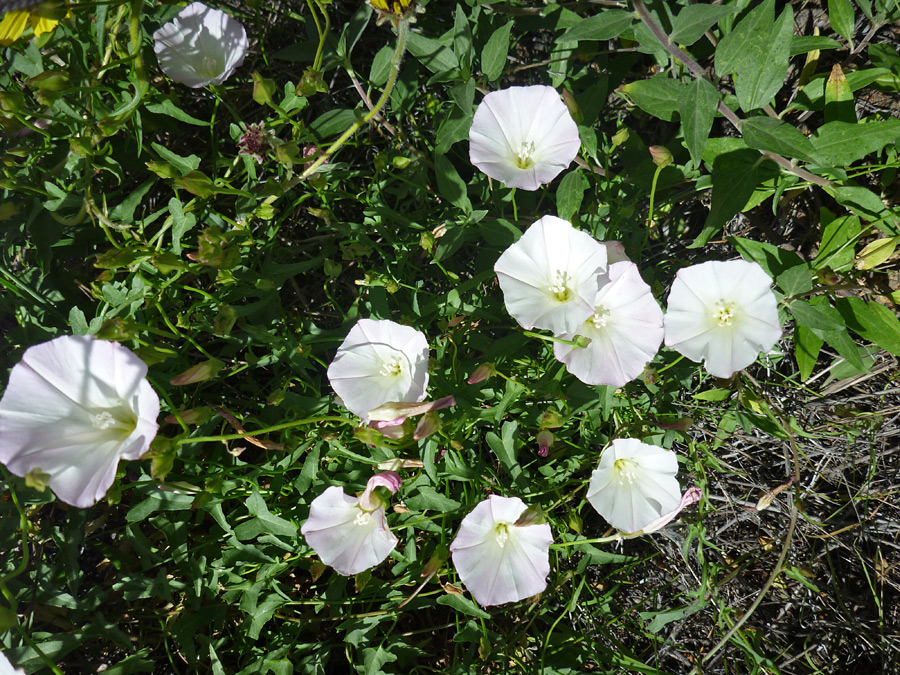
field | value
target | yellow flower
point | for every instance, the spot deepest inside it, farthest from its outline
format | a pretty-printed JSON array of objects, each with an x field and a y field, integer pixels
[
  {"x": 42, "y": 18},
  {"x": 396, "y": 7}
]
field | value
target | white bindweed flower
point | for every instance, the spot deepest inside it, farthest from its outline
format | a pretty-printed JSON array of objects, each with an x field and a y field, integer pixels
[
  {"x": 200, "y": 46},
  {"x": 6, "y": 668},
  {"x": 497, "y": 559},
  {"x": 523, "y": 136},
  {"x": 73, "y": 408},
  {"x": 724, "y": 313},
  {"x": 551, "y": 275},
  {"x": 635, "y": 484},
  {"x": 625, "y": 329},
  {"x": 348, "y": 533},
  {"x": 379, "y": 362}
]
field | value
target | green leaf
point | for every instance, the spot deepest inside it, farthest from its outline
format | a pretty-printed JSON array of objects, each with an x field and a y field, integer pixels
[
  {"x": 771, "y": 258},
  {"x": 803, "y": 44},
  {"x": 842, "y": 143},
  {"x": 462, "y": 38},
  {"x": 866, "y": 204},
  {"x": 767, "y": 133},
  {"x": 432, "y": 54},
  {"x": 795, "y": 280},
  {"x": 820, "y": 320},
  {"x": 697, "y": 106},
  {"x": 181, "y": 223},
  {"x": 693, "y": 21},
  {"x": 871, "y": 321},
  {"x": 807, "y": 346},
  {"x": 839, "y": 105},
  {"x": 838, "y": 238},
  {"x": 454, "y": 127},
  {"x": 493, "y": 56},
  {"x": 570, "y": 194},
  {"x": 840, "y": 15},
  {"x": 263, "y": 522},
  {"x": 606, "y": 25},
  {"x": 184, "y": 165},
  {"x": 757, "y": 53},
  {"x": 735, "y": 176},
  {"x": 450, "y": 185},
  {"x": 462, "y": 604},
  {"x": 657, "y": 96}
]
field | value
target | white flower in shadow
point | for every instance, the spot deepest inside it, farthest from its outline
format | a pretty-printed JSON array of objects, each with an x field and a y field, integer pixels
[
  {"x": 523, "y": 136},
  {"x": 625, "y": 330},
  {"x": 723, "y": 313},
  {"x": 497, "y": 559},
  {"x": 635, "y": 484},
  {"x": 73, "y": 408},
  {"x": 551, "y": 275},
  {"x": 200, "y": 46},
  {"x": 379, "y": 362}
]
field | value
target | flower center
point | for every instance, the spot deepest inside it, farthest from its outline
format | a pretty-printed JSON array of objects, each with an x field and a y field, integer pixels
[
  {"x": 210, "y": 67},
  {"x": 115, "y": 422},
  {"x": 723, "y": 314},
  {"x": 600, "y": 317},
  {"x": 559, "y": 285},
  {"x": 392, "y": 367},
  {"x": 362, "y": 519},
  {"x": 501, "y": 534},
  {"x": 524, "y": 159},
  {"x": 626, "y": 469}
]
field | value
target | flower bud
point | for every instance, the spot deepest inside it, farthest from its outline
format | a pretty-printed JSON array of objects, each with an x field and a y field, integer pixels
[
  {"x": 620, "y": 137},
  {"x": 205, "y": 370},
  {"x": 661, "y": 155},
  {"x": 428, "y": 425},
  {"x": 481, "y": 373},
  {"x": 544, "y": 440}
]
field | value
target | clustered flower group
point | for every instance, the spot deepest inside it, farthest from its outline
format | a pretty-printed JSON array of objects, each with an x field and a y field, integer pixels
[{"x": 75, "y": 406}]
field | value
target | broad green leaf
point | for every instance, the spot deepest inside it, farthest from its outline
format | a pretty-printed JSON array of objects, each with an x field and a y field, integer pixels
[
  {"x": 462, "y": 604},
  {"x": 450, "y": 185},
  {"x": 840, "y": 15},
  {"x": 493, "y": 56},
  {"x": 263, "y": 522},
  {"x": 462, "y": 38},
  {"x": 820, "y": 320},
  {"x": 697, "y": 106},
  {"x": 657, "y": 96},
  {"x": 735, "y": 176},
  {"x": 803, "y": 44},
  {"x": 767, "y": 133},
  {"x": 432, "y": 54},
  {"x": 812, "y": 95},
  {"x": 842, "y": 143},
  {"x": 570, "y": 194},
  {"x": 756, "y": 53},
  {"x": 454, "y": 127},
  {"x": 795, "y": 280},
  {"x": 839, "y": 105},
  {"x": 836, "y": 250},
  {"x": 184, "y": 164},
  {"x": 605, "y": 25},
  {"x": 807, "y": 346},
  {"x": 166, "y": 107},
  {"x": 771, "y": 258},
  {"x": 871, "y": 321},
  {"x": 866, "y": 204},
  {"x": 844, "y": 345},
  {"x": 876, "y": 253},
  {"x": 713, "y": 395},
  {"x": 181, "y": 223},
  {"x": 693, "y": 21}
]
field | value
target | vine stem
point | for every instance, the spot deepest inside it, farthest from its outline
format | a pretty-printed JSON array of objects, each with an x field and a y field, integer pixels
[
  {"x": 402, "y": 36},
  {"x": 267, "y": 430},
  {"x": 725, "y": 111}
]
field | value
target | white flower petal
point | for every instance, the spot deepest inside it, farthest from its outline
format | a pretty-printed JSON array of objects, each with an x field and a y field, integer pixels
[
  {"x": 551, "y": 275},
  {"x": 344, "y": 536},
  {"x": 497, "y": 561},
  {"x": 6, "y": 668},
  {"x": 379, "y": 362},
  {"x": 635, "y": 484},
  {"x": 523, "y": 136},
  {"x": 200, "y": 46},
  {"x": 626, "y": 330},
  {"x": 73, "y": 408},
  {"x": 723, "y": 313}
]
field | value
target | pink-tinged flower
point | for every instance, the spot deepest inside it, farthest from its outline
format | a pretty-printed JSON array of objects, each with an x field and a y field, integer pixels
[
  {"x": 551, "y": 275},
  {"x": 691, "y": 496},
  {"x": 625, "y": 330},
  {"x": 200, "y": 46},
  {"x": 380, "y": 362},
  {"x": 724, "y": 313},
  {"x": 523, "y": 136},
  {"x": 497, "y": 559},
  {"x": 73, "y": 408},
  {"x": 348, "y": 533},
  {"x": 635, "y": 484}
]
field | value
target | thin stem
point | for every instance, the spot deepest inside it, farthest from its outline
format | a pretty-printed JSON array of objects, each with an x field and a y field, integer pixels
[
  {"x": 726, "y": 112},
  {"x": 580, "y": 341},
  {"x": 653, "y": 194},
  {"x": 266, "y": 430},
  {"x": 402, "y": 35}
]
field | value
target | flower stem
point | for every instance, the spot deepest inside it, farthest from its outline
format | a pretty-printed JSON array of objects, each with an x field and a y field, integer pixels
[
  {"x": 402, "y": 35},
  {"x": 653, "y": 194},
  {"x": 580, "y": 341},
  {"x": 266, "y": 430}
]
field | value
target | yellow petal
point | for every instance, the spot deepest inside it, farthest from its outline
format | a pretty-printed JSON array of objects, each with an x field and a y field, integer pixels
[
  {"x": 12, "y": 27},
  {"x": 42, "y": 24}
]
